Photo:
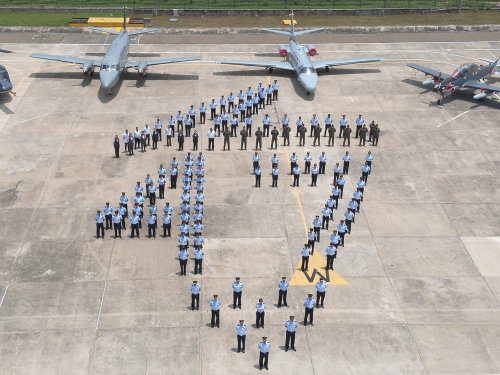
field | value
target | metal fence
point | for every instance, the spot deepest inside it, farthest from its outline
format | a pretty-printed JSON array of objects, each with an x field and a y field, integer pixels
[{"x": 253, "y": 4}]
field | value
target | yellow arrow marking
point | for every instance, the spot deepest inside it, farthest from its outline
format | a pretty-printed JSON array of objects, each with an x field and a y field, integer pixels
[{"x": 316, "y": 262}]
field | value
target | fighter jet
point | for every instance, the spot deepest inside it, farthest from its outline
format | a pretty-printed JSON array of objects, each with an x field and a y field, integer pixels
[
  {"x": 297, "y": 59},
  {"x": 465, "y": 76},
  {"x": 116, "y": 58}
]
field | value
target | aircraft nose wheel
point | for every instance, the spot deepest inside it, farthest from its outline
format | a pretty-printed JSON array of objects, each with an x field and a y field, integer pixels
[
  {"x": 439, "y": 102},
  {"x": 308, "y": 93},
  {"x": 327, "y": 69},
  {"x": 270, "y": 70},
  {"x": 110, "y": 93}
]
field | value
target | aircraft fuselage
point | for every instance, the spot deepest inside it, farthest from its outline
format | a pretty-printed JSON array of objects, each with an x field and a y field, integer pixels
[
  {"x": 298, "y": 57},
  {"x": 114, "y": 61}
]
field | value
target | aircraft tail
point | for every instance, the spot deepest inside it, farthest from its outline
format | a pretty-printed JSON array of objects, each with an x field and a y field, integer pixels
[
  {"x": 292, "y": 25},
  {"x": 124, "y": 19}
]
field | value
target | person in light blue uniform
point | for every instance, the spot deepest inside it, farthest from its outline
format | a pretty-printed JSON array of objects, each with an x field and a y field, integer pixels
[
  {"x": 321, "y": 286},
  {"x": 283, "y": 291},
  {"x": 158, "y": 126},
  {"x": 180, "y": 119},
  {"x": 314, "y": 123},
  {"x": 188, "y": 123},
  {"x": 99, "y": 222},
  {"x": 108, "y": 213},
  {"x": 255, "y": 104},
  {"x": 203, "y": 110},
  {"x": 343, "y": 124},
  {"x": 230, "y": 100},
  {"x": 167, "y": 224},
  {"x": 151, "y": 225},
  {"x": 134, "y": 224},
  {"x": 249, "y": 93},
  {"x": 331, "y": 254},
  {"x": 328, "y": 124},
  {"x": 215, "y": 305},
  {"x": 264, "y": 347},
  {"x": 192, "y": 116},
  {"x": 224, "y": 117},
  {"x": 237, "y": 292},
  {"x": 117, "y": 224},
  {"x": 222, "y": 102},
  {"x": 291, "y": 325},
  {"x": 241, "y": 329},
  {"x": 241, "y": 97},
  {"x": 267, "y": 122},
  {"x": 360, "y": 121},
  {"x": 183, "y": 258},
  {"x": 195, "y": 289},
  {"x": 243, "y": 110},
  {"x": 234, "y": 124},
  {"x": 213, "y": 109},
  {"x": 309, "y": 303},
  {"x": 269, "y": 95}
]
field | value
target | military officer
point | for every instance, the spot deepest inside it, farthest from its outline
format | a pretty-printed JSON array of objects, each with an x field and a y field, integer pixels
[
  {"x": 134, "y": 224},
  {"x": 215, "y": 305},
  {"x": 347, "y": 136},
  {"x": 293, "y": 162},
  {"x": 151, "y": 225},
  {"x": 198, "y": 260},
  {"x": 243, "y": 110},
  {"x": 203, "y": 110},
  {"x": 331, "y": 254},
  {"x": 322, "y": 163},
  {"x": 248, "y": 122},
  {"x": 328, "y": 124},
  {"x": 258, "y": 175},
  {"x": 317, "y": 135},
  {"x": 255, "y": 104},
  {"x": 369, "y": 159},
  {"x": 283, "y": 290},
  {"x": 241, "y": 329},
  {"x": 314, "y": 123},
  {"x": 192, "y": 116},
  {"x": 311, "y": 238},
  {"x": 183, "y": 258},
  {"x": 116, "y": 145},
  {"x": 260, "y": 313},
  {"x": 226, "y": 133},
  {"x": 314, "y": 175},
  {"x": 195, "y": 289},
  {"x": 230, "y": 100},
  {"x": 305, "y": 251},
  {"x": 237, "y": 291},
  {"x": 256, "y": 159},
  {"x": 213, "y": 109},
  {"x": 222, "y": 102},
  {"x": 317, "y": 229},
  {"x": 258, "y": 139},
  {"x": 307, "y": 165},
  {"x": 342, "y": 229},
  {"x": 249, "y": 93},
  {"x": 276, "y": 87},
  {"x": 167, "y": 224},
  {"x": 376, "y": 134},
  {"x": 234, "y": 124},
  {"x": 274, "y": 138},
  {"x": 99, "y": 222},
  {"x": 296, "y": 176},
  {"x": 267, "y": 122},
  {"x": 365, "y": 171},
  {"x": 321, "y": 286},
  {"x": 180, "y": 118},
  {"x": 309, "y": 303},
  {"x": 269, "y": 93},
  {"x": 108, "y": 213},
  {"x": 244, "y": 135},
  {"x": 275, "y": 172},
  {"x": 286, "y": 135},
  {"x": 264, "y": 347},
  {"x": 224, "y": 118},
  {"x": 370, "y": 134},
  {"x": 360, "y": 121},
  {"x": 302, "y": 133},
  {"x": 299, "y": 124},
  {"x": 343, "y": 123},
  {"x": 291, "y": 325},
  {"x": 326, "y": 211},
  {"x": 362, "y": 135},
  {"x": 347, "y": 159}
]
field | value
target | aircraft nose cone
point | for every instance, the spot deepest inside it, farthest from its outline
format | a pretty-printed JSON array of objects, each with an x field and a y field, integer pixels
[
  {"x": 108, "y": 79},
  {"x": 310, "y": 82},
  {"x": 5, "y": 86}
]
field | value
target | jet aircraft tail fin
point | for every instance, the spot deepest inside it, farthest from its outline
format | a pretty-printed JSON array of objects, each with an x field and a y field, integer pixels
[
  {"x": 292, "y": 25},
  {"x": 124, "y": 19}
]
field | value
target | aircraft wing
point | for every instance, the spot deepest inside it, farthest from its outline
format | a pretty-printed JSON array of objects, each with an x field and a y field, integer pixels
[
  {"x": 73, "y": 60},
  {"x": 265, "y": 64},
  {"x": 104, "y": 30},
  {"x": 135, "y": 64},
  {"x": 428, "y": 71},
  {"x": 324, "y": 63},
  {"x": 480, "y": 86}
]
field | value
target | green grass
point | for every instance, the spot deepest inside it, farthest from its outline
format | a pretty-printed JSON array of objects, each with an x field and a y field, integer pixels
[
  {"x": 253, "y": 4},
  {"x": 43, "y": 19}
]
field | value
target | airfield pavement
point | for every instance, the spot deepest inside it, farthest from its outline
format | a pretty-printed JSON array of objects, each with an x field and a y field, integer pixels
[{"x": 416, "y": 288}]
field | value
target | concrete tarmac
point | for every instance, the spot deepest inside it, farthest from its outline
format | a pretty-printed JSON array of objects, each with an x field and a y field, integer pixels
[{"x": 415, "y": 290}]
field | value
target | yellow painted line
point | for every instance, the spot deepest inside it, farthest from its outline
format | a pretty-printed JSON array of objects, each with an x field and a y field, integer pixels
[{"x": 316, "y": 262}]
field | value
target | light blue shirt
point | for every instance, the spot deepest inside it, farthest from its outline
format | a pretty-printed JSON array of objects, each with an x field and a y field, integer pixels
[
  {"x": 148, "y": 180},
  {"x": 296, "y": 170},
  {"x": 346, "y": 158},
  {"x": 230, "y": 98},
  {"x": 139, "y": 199},
  {"x": 183, "y": 254},
  {"x": 99, "y": 218},
  {"x": 291, "y": 325},
  {"x": 235, "y": 110},
  {"x": 335, "y": 238},
  {"x": 183, "y": 240},
  {"x": 308, "y": 158},
  {"x": 326, "y": 211},
  {"x": 269, "y": 90},
  {"x": 241, "y": 329},
  {"x": 264, "y": 346},
  {"x": 162, "y": 181},
  {"x": 137, "y": 210},
  {"x": 198, "y": 253},
  {"x": 331, "y": 250},
  {"x": 343, "y": 121},
  {"x": 314, "y": 170},
  {"x": 309, "y": 303},
  {"x": 317, "y": 223},
  {"x": 283, "y": 285},
  {"x": 124, "y": 199},
  {"x": 249, "y": 103},
  {"x": 314, "y": 121},
  {"x": 195, "y": 289},
  {"x": 108, "y": 210},
  {"x": 134, "y": 219},
  {"x": 171, "y": 122},
  {"x": 198, "y": 240},
  {"x": 217, "y": 120},
  {"x": 241, "y": 95},
  {"x": 222, "y": 101},
  {"x": 234, "y": 121},
  {"x": 180, "y": 117},
  {"x": 311, "y": 236},
  {"x": 285, "y": 121},
  {"x": 158, "y": 125},
  {"x": 224, "y": 117},
  {"x": 266, "y": 120},
  {"x": 328, "y": 120},
  {"x": 294, "y": 158},
  {"x": 276, "y": 86},
  {"x": 151, "y": 219},
  {"x": 258, "y": 171},
  {"x": 192, "y": 111},
  {"x": 152, "y": 189},
  {"x": 173, "y": 171},
  {"x": 321, "y": 286},
  {"x": 369, "y": 157},
  {"x": 300, "y": 122},
  {"x": 168, "y": 209},
  {"x": 255, "y": 100},
  {"x": 238, "y": 286},
  {"x": 360, "y": 121},
  {"x": 249, "y": 92},
  {"x": 357, "y": 195},
  {"x": 215, "y": 304},
  {"x": 260, "y": 307},
  {"x": 340, "y": 181},
  {"x": 348, "y": 215},
  {"x": 185, "y": 217},
  {"x": 243, "y": 107},
  {"x": 256, "y": 158},
  {"x": 122, "y": 211},
  {"x": 213, "y": 105},
  {"x": 188, "y": 121},
  {"x": 276, "y": 171},
  {"x": 330, "y": 203},
  {"x": 167, "y": 219},
  {"x": 305, "y": 251},
  {"x": 353, "y": 205},
  {"x": 322, "y": 158},
  {"x": 361, "y": 184},
  {"x": 184, "y": 228},
  {"x": 203, "y": 109},
  {"x": 365, "y": 168},
  {"x": 342, "y": 228}
]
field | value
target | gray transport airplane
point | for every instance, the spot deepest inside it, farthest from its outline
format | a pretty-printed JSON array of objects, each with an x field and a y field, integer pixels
[
  {"x": 116, "y": 58},
  {"x": 465, "y": 76},
  {"x": 297, "y": 59}
]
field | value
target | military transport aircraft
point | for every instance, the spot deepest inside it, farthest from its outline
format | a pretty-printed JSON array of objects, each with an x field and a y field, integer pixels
[
  {"x": 116, "y": 58},
  {"x": 297, "y": 59},
  {"x": 465, "y": 76}
]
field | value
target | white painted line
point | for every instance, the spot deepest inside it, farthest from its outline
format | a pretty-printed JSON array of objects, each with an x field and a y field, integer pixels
[
  {"x": 100, "y": 307},
  {"x": 4, "y": 293},
  {"x": 454, "y": 118},
  {"x": 34, "y": 118}
]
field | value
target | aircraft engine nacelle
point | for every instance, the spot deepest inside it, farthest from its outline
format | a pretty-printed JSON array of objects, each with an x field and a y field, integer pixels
[
  {"x": 311, "y": 50},
  {"x": 88, "y": 68},
  {"x": 483, "y": 94},
  {"x": 446, "y": 90},
  {"x": 283, "y": 51},
  {"x": 142, "y": 69},
  {"x": 431, "y": 81}
]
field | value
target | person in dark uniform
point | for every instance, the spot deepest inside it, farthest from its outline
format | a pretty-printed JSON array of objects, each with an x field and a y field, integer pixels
[
  {"x": 116, "y": 145},
  {"x": 196, "y": 137},
  {"x": 180, "y": 139},
  {"x": 154, "y": 137}
]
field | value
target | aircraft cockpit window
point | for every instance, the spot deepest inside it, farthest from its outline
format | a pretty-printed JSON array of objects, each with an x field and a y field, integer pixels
[
  {"x": 108, "y": 67},
  {"x": 3, "y": 74},
  {"x": 113, "y": 67},
  {"x": 462, "y": 70},
  {"x": 307, "y": 71}
]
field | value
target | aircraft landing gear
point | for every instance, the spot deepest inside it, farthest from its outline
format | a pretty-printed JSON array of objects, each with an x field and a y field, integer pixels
[
  {"x": 308, "y": 93},
  {"x": 439, "y": 102},
  {"x": 270, "y": 70},
  {"x": 110, "y": 93},
  {"x": 92, "y": 72},
  {"x": 327, "y": 69}
]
